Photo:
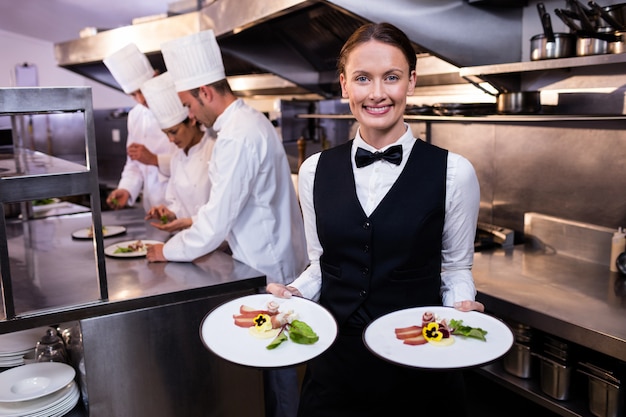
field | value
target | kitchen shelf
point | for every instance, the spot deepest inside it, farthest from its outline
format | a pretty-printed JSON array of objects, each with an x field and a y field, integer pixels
[
  {"x": 511, "y": 76},
  {"x": 27, "y": 175},
  {"x": 542, "y": 65}
]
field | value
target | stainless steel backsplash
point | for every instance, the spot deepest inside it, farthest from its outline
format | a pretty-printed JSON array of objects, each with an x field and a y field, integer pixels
[{"x": 574, "y": 170}]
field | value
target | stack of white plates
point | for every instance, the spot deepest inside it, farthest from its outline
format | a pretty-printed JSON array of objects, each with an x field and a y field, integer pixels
[
  {"x": 13, "y": 346},
  {"x": 44, "y": 389}
]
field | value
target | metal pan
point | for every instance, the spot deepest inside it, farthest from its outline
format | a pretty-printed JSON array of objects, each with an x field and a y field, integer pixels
[
  {"x": 520, "y": 102},
  {"x": 564, "y": 46}
]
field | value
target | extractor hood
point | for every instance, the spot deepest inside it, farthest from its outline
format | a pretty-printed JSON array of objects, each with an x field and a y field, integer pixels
[{"x": 276, "y": 47}]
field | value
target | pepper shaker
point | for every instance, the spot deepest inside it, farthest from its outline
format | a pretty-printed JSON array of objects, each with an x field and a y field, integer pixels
[{"x": 50, "y": 348}]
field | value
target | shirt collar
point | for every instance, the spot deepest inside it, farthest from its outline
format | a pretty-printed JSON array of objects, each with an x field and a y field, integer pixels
[
  {"x": 406, "y": 140},
  {"x": 222, "y": 118}
]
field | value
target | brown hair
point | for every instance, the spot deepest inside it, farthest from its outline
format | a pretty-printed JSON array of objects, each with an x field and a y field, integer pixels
[
  {"x": 222, "y": 87},
  {"x": 381, "y": 32}
]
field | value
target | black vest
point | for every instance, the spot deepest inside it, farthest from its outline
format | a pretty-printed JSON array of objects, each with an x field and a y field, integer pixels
[{"x": 390, "y": 260}]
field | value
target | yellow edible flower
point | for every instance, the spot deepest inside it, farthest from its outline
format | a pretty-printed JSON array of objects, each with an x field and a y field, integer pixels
[
  {"x": 431, "y": 332},
  {"x": 263, "y": 323}
]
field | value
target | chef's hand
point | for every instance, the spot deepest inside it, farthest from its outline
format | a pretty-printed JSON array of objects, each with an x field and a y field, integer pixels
[
  {"x": 140, "y": 153},
  {"x": 175, "y": 225},
  {"x": 282, "y": 291},
  {"x": 118, "y": 198},
  {"x": 155, "y": 253},
  {"x": 469, "y": 305},
  {"x": 159, "y": 213}
]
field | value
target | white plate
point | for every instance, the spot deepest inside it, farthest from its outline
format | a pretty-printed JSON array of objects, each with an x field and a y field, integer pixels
[
  {"x": 20, "y": 341},
  {"x": 108, "y": 231},
  {"x": 380, "y": 339},
  {"x": 110, "y": 250},
  {"x": 9, "y": 363},
  {"x": 222, "y": 337},
  {"x": 62, "y": 407},
  {"x": 43, "y": 405},
  {"x": 34, "y": 380}
]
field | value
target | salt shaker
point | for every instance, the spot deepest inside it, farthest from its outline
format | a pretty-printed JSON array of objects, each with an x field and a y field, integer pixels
[{"x": 51, "y": 348}]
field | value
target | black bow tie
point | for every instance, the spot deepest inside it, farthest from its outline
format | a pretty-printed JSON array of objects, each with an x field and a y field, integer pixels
[{"x": 364, "y": 157}]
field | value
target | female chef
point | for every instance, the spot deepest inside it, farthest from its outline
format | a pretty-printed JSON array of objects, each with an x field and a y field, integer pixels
[{"x": 189, "y": 186}]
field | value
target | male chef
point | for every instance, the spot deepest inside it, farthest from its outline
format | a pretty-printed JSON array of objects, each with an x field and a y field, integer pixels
[{"x": 253, "y": 205}]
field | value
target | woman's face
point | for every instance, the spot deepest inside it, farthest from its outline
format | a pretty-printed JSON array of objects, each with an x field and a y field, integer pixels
[
  {"x": 183, "y": 135},
  {"x": 377, "y": 80}
]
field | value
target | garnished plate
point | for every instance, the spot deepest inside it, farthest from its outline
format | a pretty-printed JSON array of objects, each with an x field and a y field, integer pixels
[
  {"x": 123, "y": 249},
  {"x": 225, "y": 339},
  {"x": 107, "y": 231},
  {"x": 380, "y": 338}
]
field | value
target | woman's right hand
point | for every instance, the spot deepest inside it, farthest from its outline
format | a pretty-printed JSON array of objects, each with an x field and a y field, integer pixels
[
  {"x": 157, "y": 213},
  {"x": 282, "y": 291}
]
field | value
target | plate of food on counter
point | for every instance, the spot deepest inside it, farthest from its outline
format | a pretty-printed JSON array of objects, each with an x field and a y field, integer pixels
[
  {"x": 107, "y": 231},
  {"x": 130, "y": 248},
  {"x": 438, "y": 338},
  {"x": 265, "y": 331}
]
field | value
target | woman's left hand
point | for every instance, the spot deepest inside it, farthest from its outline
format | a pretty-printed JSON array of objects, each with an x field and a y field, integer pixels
[{"x": 469, "y": 305}]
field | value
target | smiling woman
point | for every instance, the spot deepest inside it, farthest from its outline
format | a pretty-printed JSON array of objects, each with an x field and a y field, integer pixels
[{"x": 370, "y": 206}]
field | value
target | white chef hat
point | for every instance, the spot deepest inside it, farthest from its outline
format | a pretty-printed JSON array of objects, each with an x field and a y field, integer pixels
[
  {"x": 163, "y": 100},
  {"x": 130, "y": 67},
  {"x": 194, "y": 60}
]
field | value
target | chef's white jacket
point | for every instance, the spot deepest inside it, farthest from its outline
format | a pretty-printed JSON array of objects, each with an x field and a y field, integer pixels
[
  {"x": 139, "y": 178},
  {"x": 189, "y": 186},
  {"x": 252, "y": 205}
]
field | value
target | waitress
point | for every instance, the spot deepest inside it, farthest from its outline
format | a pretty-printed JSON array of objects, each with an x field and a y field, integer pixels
[
  {"x": 189, "y": 186},
  {"x": 390, "y": 224}
]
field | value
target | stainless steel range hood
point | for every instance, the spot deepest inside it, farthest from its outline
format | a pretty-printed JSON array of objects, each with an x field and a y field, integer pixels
[{"x": 291, "y": 46}]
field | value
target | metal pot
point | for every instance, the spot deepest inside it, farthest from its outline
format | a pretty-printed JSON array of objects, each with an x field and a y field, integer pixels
[
  {"x": 520, "y": 102},
  {"x": 618, "y": 46},
  {"x": 586, "y": 45},
  {"x": 564, "y": 46}
]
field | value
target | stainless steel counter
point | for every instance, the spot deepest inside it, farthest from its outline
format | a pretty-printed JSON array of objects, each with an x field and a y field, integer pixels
[
  {"x": 55, "y": 275},
  {"x": 579, "y": 301},
  {"x": 141, "y": 347}
]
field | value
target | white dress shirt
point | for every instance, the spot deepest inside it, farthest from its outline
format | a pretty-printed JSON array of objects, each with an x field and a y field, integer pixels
[
  {"x": 252, "y": 205},
  {"x": 372, "y": 184},
  {"x": 189, "y": 187},
  {"x": 139, "y": 178}
]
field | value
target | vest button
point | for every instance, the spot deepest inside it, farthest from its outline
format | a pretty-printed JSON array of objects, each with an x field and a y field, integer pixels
[
  {"x": 366, "y": 225},
  {"x": 366, "y": 248},
  {"x": 362, "y": 293},
  {"x": 364, "y": 271}
]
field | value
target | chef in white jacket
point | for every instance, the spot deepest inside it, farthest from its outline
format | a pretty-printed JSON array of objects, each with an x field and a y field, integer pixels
[
  {"x": 146, "y": 171},
  {"x": 189, "y": 186},
  {"x": 253, "y": 205}
]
